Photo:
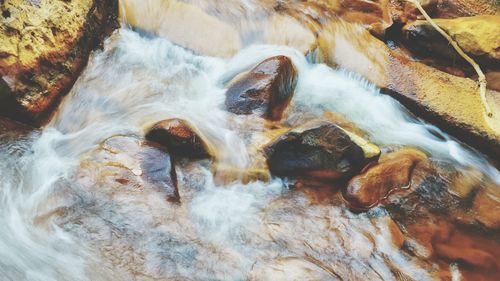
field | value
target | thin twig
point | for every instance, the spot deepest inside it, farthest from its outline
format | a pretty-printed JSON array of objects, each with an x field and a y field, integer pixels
[{"x": 481, "y": 77}]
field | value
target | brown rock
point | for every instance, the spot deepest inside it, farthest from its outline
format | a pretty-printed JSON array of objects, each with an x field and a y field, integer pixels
[
  {"x": 43, "y": 47},
  {"x": 267, "y": 89},
  {"x": 393, "y": 172},
  {"x": 180, "y": 138},
  {"x": 319, "y": 150},
  {"x": 127, "y": 163},
  {"x": 486, "y": 207}
]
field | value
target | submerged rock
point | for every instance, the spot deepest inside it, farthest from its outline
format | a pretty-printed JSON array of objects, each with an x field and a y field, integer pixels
[
  {"x": 43, "y": 47},
  {"x": 478, "y": 36},
  {"x": 127, "y": 163},
  {"x": 320, "y": 150},
  {"x": 393, "y": 172},
  {"x": 267, "y": 89},
  {"x": 180, "y": 138}
]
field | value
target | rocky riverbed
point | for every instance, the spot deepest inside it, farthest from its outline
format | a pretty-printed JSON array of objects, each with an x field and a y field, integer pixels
[{"x": 248, "y": 140}]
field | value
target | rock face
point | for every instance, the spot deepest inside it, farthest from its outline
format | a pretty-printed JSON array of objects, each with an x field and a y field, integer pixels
[
  {"x": 321, "y": 150},
  {"x": 43, "y": 47},
  {"x": 478, "y": 36},
  {"x": 452, "y": 103},
  {"x": 180, "y": 138},
  {"x": 393, "y": 172},
  {"x": 267, "y": 89},
  {"x": 129, "y": 163}
]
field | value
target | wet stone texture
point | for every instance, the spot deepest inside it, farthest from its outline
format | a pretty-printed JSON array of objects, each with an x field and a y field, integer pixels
[
  {"x": 321, "y": 150},
  {"x": 267, "y": 89},
  {"x": 393, "y": 172},
  {"x": 180, "y": 138},
  {"x": 129, "y": 163}
]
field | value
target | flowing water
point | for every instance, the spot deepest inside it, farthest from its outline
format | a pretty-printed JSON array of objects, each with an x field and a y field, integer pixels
[{"x": 54, "y": 227}]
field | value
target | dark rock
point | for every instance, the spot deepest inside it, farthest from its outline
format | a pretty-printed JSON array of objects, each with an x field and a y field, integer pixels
[
  {"x": 180, "y": 138},
  {"x": 129, "y": 163},
  {"x": 393, "y": 172},
  {"x": 267, "y": 89},
  {"x": 38, "y": 67},
  {"x": 320, "y": 150}
]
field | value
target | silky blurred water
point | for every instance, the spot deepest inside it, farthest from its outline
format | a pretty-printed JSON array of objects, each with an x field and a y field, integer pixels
[{"x": 56, "y": 228}]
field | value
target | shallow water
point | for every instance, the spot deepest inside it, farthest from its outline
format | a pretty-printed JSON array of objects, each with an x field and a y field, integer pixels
[{"x": 55, "y": 227}]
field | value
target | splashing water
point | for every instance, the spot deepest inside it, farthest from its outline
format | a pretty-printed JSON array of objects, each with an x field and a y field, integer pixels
[{"x": 54, "y": 229}]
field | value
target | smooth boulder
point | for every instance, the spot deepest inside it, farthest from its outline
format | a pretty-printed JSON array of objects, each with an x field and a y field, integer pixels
[
  {"x": 320, "y": 150},
  {"x": 267, "y": 89},
  {"x": 393, "y": 172},
  {"x": 180, "y": 138}
]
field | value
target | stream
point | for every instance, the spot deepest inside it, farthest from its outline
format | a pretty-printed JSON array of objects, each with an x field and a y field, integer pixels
[{"x": 61, "y": 223}]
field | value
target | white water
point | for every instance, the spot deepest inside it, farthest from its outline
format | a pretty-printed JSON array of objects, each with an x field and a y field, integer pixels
[{"x": 53, "y": 228}]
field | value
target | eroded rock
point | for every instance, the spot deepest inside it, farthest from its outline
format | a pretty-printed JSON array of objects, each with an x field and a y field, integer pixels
[
  {"x": 43, "y": 47},
  {"x": 129, "y": 164},
  {"x": 319, "y": 150},
  {"x": 393, "y": 172},
  {"x": 180, "y": 138},
  {"x": 267, "y": 89}
]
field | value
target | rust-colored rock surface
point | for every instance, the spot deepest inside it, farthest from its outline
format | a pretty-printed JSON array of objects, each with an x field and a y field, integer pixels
[
  {"x": 267, "y": 89},
  {"x": 180, "y": 138},
  {"x": 394, "y": 171},
  {"x": 43, "y": 47}
]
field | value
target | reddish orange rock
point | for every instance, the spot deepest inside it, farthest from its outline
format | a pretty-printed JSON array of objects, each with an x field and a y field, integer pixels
[
  {"x": 393, "y": 172},
  {"x": 267, "y": 89},
  {"x": 180, "y": 138}
]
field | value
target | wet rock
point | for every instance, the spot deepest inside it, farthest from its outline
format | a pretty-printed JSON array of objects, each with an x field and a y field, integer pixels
[
  {"x": 450, "y": 102},
  {"x": 267, "y": 89},
  {"x": 478, "y": 36},
  {"x": 464, "y": 183},
  {"x": 129, "y": 164},
  {"x": 320, "y": 150},
  {"x": 486, "y": 207},
  {"x": 43, "y": 47},
  {"x": 184, "y": 24},
  {"x": 285, "y": 30},
  {"x": 394, "y": 171},
  {"x": 470, "y": 248},
  {"x": 180, "y": 138}
]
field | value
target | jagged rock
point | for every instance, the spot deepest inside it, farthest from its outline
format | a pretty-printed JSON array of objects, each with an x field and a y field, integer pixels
[
  {"x": 128, "y": 163},
  {"x": 43, "y": 47},
  {"x": 478, "y": 36},
  {"x": 394, "y": 171},
  {"x": 267, "y": 89},
  {"x": 180, "y": 138},
  {"x": 320, "y": 150}
]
